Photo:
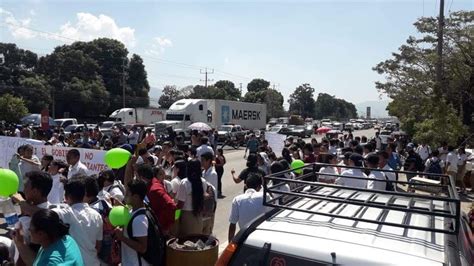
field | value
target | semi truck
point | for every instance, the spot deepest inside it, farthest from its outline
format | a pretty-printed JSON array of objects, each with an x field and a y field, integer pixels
[
  {"x": 215, "y": 113},
  {"x": 144, "y": 116}
]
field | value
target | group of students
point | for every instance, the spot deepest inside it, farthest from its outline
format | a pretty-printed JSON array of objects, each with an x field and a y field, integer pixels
[{"x": 161, "y": 181}]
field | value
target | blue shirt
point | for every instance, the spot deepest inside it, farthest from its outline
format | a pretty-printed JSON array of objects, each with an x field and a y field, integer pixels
[
  {"x": 252, "y": 145},
  {"x": 394, "y": 161},
  {"x": 64, "y": 252}
]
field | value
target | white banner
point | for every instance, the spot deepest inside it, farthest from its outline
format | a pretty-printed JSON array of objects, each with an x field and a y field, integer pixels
[
  {"x": 93, "y": 159},
  {"x": 276, "y": 142}
]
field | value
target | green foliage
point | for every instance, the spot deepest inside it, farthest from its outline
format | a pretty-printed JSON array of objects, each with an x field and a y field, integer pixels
[
  {"x": 257, "y": 85},
  {"x": 170, "y": 95},
  {"x": 231, "y": 92},
  {"x": 272, "y": 98},
  {"x": 211, "y": 92},
  {"x": 427, "y": 110},
  {"x": 302, "y": 101},
  {"x": 12, "y": 108},
  {"x": 327, "y": 106}
]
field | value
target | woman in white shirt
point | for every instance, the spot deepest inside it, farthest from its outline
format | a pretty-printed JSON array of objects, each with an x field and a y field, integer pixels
[
  {"x": 331, "y": 170},
  {"x": 111, "y": 190},
  {"x": 190, "y": 199},
  {"x": 179, "y": 173},
  {"x": 276, "y": 168},
  {"x": 56, "y": 194}
]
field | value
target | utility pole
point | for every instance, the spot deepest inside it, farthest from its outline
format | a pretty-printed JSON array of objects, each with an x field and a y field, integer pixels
[
  {"x": 123, "y": 82},
  {"x": 205, "y": 76},
  {"x": 439, "y": 65}
]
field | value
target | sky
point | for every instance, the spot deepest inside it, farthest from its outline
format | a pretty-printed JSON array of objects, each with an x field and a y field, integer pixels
[{"x": 331, "y": 45}]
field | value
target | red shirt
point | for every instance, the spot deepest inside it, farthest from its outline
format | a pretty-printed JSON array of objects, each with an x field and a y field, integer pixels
[
  {"x": 309, "y": 158},
  {"x": 161, "y": 203}
]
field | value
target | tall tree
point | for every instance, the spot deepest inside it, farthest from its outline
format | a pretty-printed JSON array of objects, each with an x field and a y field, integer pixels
[
  {"x": 170, "y": 95},
  {"x": 137, "y": 82},
  {"x": 411, "y": 81},
  {"x": 327, "y": 106},
  {"x": 272, "y": 98},
  {"x": 302, "y": 101},
  {"x": 209, "y": 92},
  {"x": 13, "y": 108},
  {"x": 257, "y": 85},
  {"x": 232, "y": 93}
]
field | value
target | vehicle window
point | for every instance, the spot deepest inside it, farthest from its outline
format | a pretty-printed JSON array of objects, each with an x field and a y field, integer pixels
[
  {"x": 201, "y": 107},
  {"x": 130, "y": 113}
]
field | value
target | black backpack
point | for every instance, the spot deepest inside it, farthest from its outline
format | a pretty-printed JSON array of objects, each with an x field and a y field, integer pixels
[
  {"x": 388, "y": 185},
  {"x": 156, "y": 242},
  {"x": 434, "y": 168}
]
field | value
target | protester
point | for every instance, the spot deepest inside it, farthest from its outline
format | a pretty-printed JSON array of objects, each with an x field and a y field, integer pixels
[
  {"x": 220, "y": 162},
  {"x": 308, "y": 155},
  {"x": 413, "y": 162},
  {"x": 247, "y": 206},
  {"x": 57, "y": 247},
  {"x": 209, "y": 173},
  {"x": 252, "y": 145},
  {"x": 462, "y": 160},
  {"x": 14, "y": 165},
  {"x": 394, "y": 159},
  {"x": 361, "y": 179},
  {"x": 378, "y": 141},
  {"x": 252, "y": 167},
  {"x": 56, "y": 170},
  {"x": 136, "y": 243},
  {"x": 149, "y": 139},
  {"x": 423, "y": 151},
  {"x": 278, "y": 185},
  {"x": 133, "y": 136},
  {"x": 376, "y": 178},
  {"x": 204, "y": 148},
  {"x": 46, "y": 161},
  {"x": 28, "y": 162},
  {"x": 451, "y": 166},
  {"x": 159, "y": 200},
  {"x": 190, "y": 199},
  {"x": 434, "y": 165},
  {"x": 331, "y": 170},
  {"x": 76, "y": 167},
  {"x": 111, "y": 188},
  {"x": 383, "y": 164}
]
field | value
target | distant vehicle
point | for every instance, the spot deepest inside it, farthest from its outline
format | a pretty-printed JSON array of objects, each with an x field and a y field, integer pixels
[
  {"x": 77, "y": 128},
  {"x": 35, "y": 120},
  {"x": 326, "y": 120},
  {"x": 64, "y": 122},
  {"x": 337, "y": 126},
  {"x": 138, "y": 115},
  {"x": 298, "y": 131},
  {"x": 107, "y": 126},
  {"x": 348, "y": 126},
  {"x": 215, "y": 113},
  {"x": 384, "y": 135},
  {"x": 231, "y": 131}
]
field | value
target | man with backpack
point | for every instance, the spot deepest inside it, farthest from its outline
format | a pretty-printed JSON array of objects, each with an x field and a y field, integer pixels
[
  {"x": 434, "y": 165},
  {"x": 142, "y": 240}
]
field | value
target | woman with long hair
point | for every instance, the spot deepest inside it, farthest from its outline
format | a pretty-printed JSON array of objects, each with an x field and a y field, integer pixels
[
  {"x": 220, "y": 162},
  {"x": 180, "y": 170},
  {"x": 46, "y": 162},
  {"x": 190, "y": 199},
  {"x": 48, "y": 231}
]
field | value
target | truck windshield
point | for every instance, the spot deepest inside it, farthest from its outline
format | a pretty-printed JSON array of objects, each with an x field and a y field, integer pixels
[{"x": 177, "y": 117}]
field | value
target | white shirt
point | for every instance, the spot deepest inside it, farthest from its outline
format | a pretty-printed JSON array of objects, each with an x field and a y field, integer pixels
[
  {"x": 247, "y": 207},
  {"x": 452, "y": 159},
  {"x": 424, "y": 152},
  {"x": 185, "y": 193},
  {"x": 175, "y": 182},
  {"x": 203, "y": 149},
  {"x": 18, "y": 133},
  {"x": 56, "y": 195},
  {"x": 113, "y": 191},
  {"x": 327, "y": 178},
  {"x": 26, "y": 167},
  {"x": 462, "y": 159},
  {"x": 85, "y": 227},
  {"x": 390, "y": 175},
  {"x": 332, "y": 150},
  {"x": 168, "y": 186},
  {"x": 133, "y": 137},
  {"x": 77, "y": 169},
  {"x": 378, "y": 143},
  {"x": 211, "y": 176},
  {"x": 373, "y": 184},
  {"x": 443, "y": 154},
  {"x": 25, "y": 221},
  {"x": 352, "y": 182},
  {"x": 139, "y": 229}
]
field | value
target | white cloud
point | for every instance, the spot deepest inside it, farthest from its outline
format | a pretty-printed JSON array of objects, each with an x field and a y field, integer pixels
[
  {"x": 32, "y": 12},
  {"x": 89, "y": 27},
  {"x": 86, "y": 28},
  {"x": 159, "y": 45},
  {"x": 17, "y": 26}
]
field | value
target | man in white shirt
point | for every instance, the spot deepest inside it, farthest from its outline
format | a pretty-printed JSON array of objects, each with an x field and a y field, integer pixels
[
  {"x": 345, "y": 180},
  {"x": 452, "y": 159},
  {"x": 378, "y": 141},
  {"x": 383, "y": 164},
  {"x": 133, "y": 136},
  {"x": 376, "y": 178},
  {"x": 36, "y": 192},
  {"x": 137, "y": 242},
  {"x": 424, "y": 151},
  {"x": 204, "y": 148},
  {"x": 75, "y": 166},
  {"x": 443, "y": 151},
  {"x": 247, "y": 206},
  {"x": 85, "y": 223},
  {"x": 28, "y": 162}
]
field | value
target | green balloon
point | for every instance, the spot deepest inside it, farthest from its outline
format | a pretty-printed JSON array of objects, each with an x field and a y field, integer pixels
[
  {"x": 297, "y": 164},
  {"x": 8, "y": 182},
  {"x": 177, "y": 214},
  {"x": 117, "y": 158},
  {"x": 119, "y": 216}
]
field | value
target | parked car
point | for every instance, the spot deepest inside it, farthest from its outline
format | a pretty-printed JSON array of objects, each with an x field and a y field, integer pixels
[
  {"x": 329, "y": 224},
  {"x": 106, "y": 127},
  {"x": 35, "y": 120},
  {"x": 299, "y": 131},
  {"x": 78, "y": 128},
  {"x": 231, "y": 131},
  {"x": 64, "y": 122}
]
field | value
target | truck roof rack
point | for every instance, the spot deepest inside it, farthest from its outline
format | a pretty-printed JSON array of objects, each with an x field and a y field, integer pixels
[{"x": 445, "y": 205}]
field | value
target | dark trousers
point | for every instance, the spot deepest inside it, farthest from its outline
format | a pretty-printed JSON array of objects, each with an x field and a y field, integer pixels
[{"x": 220, "y": 173}]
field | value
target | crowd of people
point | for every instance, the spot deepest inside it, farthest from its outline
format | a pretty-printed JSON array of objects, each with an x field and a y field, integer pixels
[{"x": 161, "y": 181}]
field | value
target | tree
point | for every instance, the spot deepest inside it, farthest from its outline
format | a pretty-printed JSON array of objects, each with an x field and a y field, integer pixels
[
  {"x": 18, "y": 63},
  {"x": 209, "y": 92},
  {"x": 137, "y": 82},
  {"x": 302, "y": 101},
  {"x": 424, "y": 107},
  {"x": 12, "y": 108},
  {"x": 272, "y": 98},
  {"x": 327, "y": 106},
  {"x": 232, "y": 93},
  {"x": 170, "y": 95},
  {"x": 257, "y": 85}
]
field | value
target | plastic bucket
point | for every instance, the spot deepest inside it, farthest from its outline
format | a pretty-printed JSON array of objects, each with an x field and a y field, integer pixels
[{"x": 178, "y": 257}]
